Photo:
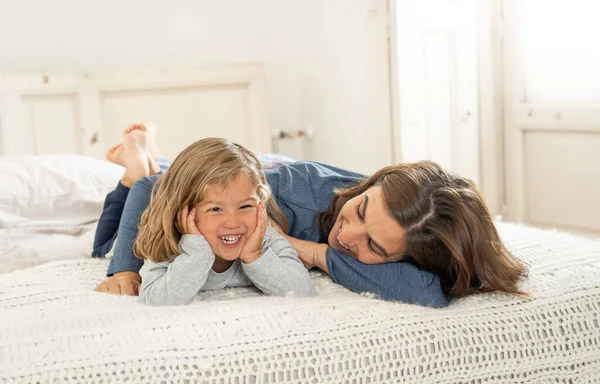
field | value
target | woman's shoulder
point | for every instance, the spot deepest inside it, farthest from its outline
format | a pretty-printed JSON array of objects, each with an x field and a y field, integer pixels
[
  {"x": 307, "y": 186},
  {"x": 309, "y": 177},
  {"x": 310, "y": 170}
]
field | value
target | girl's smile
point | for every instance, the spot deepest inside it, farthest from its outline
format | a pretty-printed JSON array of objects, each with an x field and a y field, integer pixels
[
  {"x": 227, "y": 216},
  {"x": 231, "y": 240}
]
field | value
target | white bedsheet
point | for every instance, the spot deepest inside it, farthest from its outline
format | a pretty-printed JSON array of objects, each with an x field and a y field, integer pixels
[
  {"x": 55, "y": 328},
  {"x": 29, "y": 246}
]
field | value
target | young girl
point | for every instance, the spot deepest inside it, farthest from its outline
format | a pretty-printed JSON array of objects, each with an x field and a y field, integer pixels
[{"x": 206, "y": 228}]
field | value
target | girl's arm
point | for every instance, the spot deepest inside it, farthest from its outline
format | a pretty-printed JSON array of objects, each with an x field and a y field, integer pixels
[
  {"x": 178, "y": 282},
  {"x": 279, "y": 271}
]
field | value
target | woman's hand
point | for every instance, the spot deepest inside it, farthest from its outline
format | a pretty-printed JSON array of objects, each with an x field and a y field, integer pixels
[
  {"x": 121, "y": 283},
  {"x": 252, "y": 250},
  {"x": 187, "y": 221},
  {"x": 310, "y": 253}
]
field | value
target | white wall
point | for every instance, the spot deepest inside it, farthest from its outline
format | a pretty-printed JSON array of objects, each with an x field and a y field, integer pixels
[{"x": 325, "y": 61}]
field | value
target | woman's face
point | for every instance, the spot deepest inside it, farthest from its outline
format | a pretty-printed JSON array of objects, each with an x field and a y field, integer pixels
[{"x": 365, "y": 230}]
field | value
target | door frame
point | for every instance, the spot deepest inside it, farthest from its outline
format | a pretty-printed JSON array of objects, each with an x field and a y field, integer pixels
[
  {"x": 491, "y": 105},
  {"x": 490, "y": 99}
]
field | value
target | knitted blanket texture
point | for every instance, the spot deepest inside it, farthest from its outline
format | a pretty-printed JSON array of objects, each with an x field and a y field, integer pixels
[{"x": 55, "y": 328}]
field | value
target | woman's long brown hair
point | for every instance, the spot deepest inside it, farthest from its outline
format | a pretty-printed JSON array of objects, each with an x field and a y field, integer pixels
[
  {"x": 448, "y": 228},
  {"x": 202, "y": 165}
]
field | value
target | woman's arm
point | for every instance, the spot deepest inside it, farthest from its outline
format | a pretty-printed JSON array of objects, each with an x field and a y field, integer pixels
[
  {"x": 278, "y": 271},
  {"x": 391, "y": 281},
  {"x": 178, "y": 282},
  {"x": 311, "y": 254}
]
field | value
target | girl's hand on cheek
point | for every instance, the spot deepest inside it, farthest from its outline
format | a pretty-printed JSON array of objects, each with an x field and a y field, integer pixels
[
  {"x": 252, "y": 250},
  {"x": 187, "y": 221}
]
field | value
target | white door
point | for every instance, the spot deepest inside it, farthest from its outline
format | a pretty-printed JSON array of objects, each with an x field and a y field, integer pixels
[
  {"x": 437, "y": 71},
  {"x": 552, "y": 113}
]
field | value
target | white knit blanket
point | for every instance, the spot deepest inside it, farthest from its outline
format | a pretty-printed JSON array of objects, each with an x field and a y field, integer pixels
[{"x": 55, "y": 328}]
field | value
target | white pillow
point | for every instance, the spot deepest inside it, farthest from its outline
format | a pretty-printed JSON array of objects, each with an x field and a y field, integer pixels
[{"x": 54, "y": 189}]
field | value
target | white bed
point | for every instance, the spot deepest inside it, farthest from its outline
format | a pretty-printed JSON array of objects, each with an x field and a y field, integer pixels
[{"x": 55, "y": 328}]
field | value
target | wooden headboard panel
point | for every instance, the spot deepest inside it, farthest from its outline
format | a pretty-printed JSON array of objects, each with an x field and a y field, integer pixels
[{"x": 85, "y": 113}]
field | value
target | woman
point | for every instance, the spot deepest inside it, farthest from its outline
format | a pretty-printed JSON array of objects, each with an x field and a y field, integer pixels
[{"x": 410, "y": 232}]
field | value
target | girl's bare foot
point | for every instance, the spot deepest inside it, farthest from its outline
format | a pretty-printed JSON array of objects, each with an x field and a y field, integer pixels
[
  {"x": 114, "y": 154},
  {"x": 152, "y": 130},
  {"x": 134, "y": 156},
  {"x": 136, "y": 153},
  {"x": 153, "y": 165},
  {"x": 154, "y": 151}
]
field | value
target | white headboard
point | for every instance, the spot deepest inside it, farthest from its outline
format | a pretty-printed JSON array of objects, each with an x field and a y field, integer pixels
[{"x": 85, "y": 113}]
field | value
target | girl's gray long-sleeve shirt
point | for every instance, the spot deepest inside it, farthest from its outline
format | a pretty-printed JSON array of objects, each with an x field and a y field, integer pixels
[{"x": 277, "y": 272}]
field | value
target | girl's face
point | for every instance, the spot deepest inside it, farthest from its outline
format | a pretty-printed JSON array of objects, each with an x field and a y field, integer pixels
[
  {"x": 226, "y": 217},
  {"x": 365, "y": 230}
]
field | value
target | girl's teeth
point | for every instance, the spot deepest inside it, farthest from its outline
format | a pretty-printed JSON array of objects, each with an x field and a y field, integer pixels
[{"x": 230, "y": 240}]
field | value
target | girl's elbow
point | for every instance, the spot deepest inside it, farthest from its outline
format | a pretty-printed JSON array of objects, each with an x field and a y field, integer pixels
[
  {"x": 311, "y": 292},
  {"x": 164, "y": 302},
  {"x": 301, "y": 289},
  {"x": 155, "y": 300},
  {"x": 148, "y": 298},
  {"x": 308, "y": 289},
  {"x": 305, "y": 285},
  {"x": 311, "y": 289},
  {"x": 144, "y": 298}
]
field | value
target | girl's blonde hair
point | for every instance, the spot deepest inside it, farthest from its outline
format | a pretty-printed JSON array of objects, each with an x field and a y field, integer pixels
[{"x": 202, "y": 165}]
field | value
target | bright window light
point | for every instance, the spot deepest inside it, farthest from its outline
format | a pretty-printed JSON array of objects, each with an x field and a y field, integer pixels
[{"x": 560, "y": 50}]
